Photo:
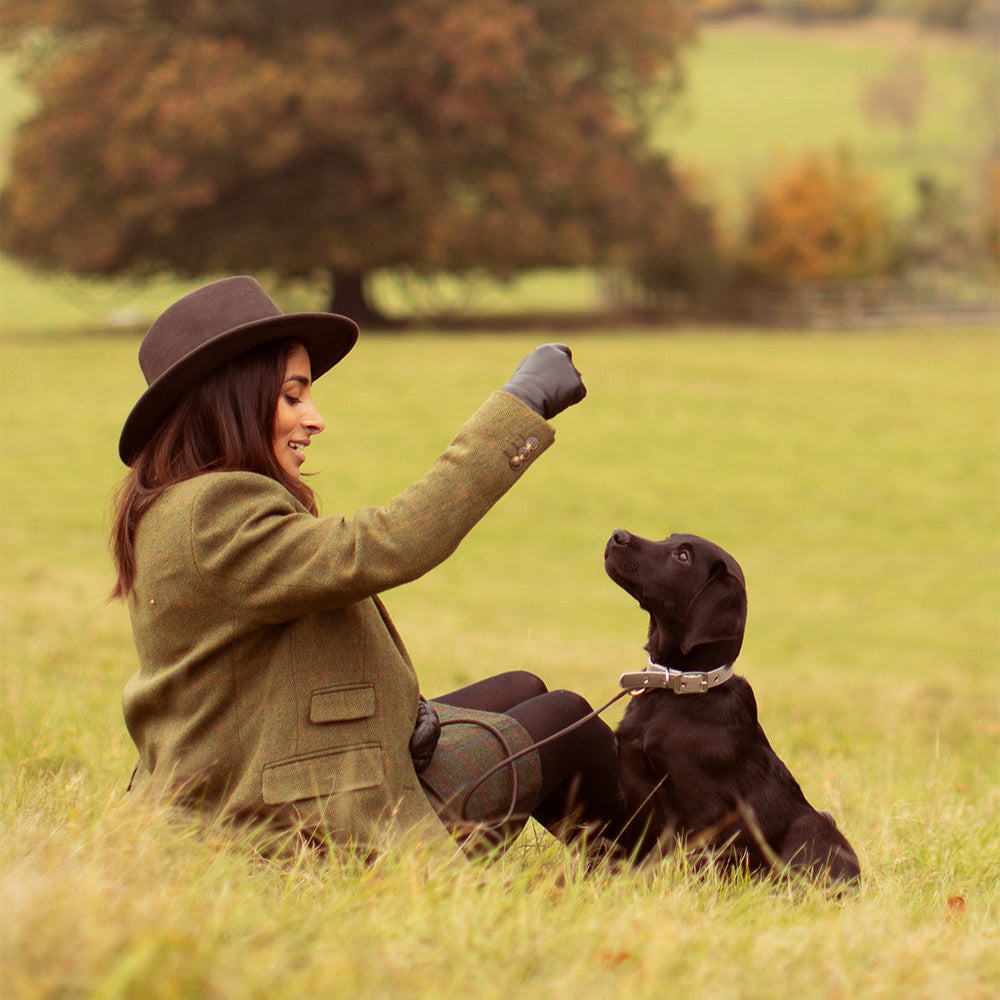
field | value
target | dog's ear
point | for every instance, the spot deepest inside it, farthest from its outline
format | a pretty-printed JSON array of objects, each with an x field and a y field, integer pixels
[{"x": 717, "y": 615}]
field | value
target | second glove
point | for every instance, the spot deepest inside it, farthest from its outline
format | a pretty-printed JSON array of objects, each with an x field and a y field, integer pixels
[{"x": 426, "y": 732}]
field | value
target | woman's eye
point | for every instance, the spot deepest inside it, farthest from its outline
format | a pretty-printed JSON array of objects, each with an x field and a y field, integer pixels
[{"x": 291, "y": 400}]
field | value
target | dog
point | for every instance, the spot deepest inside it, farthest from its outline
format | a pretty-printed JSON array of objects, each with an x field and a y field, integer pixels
[{"x": 695, "y": 767}]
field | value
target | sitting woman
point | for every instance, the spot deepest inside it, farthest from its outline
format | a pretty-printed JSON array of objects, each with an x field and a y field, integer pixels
[{"x": 273, "y": 688}]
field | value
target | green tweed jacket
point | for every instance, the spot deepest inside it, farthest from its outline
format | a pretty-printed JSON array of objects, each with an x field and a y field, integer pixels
[{"x": 272, "y": 686}]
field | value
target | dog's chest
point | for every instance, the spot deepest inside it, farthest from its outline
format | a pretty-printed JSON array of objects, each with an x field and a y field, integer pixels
[{"x": 685, "y": 732}]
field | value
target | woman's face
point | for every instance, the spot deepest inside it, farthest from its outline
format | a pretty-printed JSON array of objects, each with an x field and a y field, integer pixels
[{"x": 296, "y": 418}]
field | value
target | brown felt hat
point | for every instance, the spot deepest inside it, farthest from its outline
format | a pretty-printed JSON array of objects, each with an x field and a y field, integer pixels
[{"x": 211, "y": 326}]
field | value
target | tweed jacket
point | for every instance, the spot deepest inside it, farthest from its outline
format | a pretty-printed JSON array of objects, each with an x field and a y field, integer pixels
[{"x": 272, "y": 685}]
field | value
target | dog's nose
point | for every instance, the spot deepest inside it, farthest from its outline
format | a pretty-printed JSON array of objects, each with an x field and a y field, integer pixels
[{"x": 620, "y": 537}]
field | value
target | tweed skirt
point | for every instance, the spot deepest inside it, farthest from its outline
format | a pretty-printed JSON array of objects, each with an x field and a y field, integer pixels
[{"x": 498, "y": 809}]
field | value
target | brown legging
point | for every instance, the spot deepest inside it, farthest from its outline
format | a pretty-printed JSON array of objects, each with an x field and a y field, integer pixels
[{"x": 579, "y": 790}]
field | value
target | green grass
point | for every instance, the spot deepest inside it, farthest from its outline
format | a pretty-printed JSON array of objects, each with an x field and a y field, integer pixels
[{"x": 854, "y": 477}]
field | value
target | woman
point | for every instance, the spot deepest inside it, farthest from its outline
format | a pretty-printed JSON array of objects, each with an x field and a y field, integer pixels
[{"x": 273, "y": 688}]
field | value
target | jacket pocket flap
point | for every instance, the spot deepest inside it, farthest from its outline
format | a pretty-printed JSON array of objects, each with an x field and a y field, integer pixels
[
  {"x": 343, "y": 703},
  {"x": 315, "y": 776}
]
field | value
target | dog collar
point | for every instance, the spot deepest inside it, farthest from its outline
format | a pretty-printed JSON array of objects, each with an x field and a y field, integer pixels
[{"x": 656, "y": 676}]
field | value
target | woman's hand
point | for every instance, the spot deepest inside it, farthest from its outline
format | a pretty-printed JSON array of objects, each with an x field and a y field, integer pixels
[
  {"x": 426, "y": 731},
  {"x": 547, "y": 380}
]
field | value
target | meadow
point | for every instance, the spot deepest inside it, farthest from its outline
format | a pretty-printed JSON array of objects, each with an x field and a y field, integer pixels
[{"x": 856, "y": 479}]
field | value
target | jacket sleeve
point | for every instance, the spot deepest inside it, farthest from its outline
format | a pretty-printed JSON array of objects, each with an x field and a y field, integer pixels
[{"x": 257, "y": 550}]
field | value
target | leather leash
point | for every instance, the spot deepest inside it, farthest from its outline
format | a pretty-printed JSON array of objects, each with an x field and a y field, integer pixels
[{"x": 654, "y": 677}]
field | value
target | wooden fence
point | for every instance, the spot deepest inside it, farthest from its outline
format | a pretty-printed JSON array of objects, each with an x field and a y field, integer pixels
[
  {"x": 819, "y": 305},
  {"x": 859, "y": 305}
]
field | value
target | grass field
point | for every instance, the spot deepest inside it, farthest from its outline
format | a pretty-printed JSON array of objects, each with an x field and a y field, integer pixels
[
  {"x": 758, "y": 90},
  {"x": 854, "y": 477}
]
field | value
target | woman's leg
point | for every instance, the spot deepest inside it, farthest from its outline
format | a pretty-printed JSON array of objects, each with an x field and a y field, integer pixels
[
  {"x": 497, "y": 694},
  {"x": 580, "y": 792}
]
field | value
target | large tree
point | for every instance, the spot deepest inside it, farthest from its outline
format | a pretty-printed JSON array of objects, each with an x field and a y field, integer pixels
[{"x": 300, "y": 136}]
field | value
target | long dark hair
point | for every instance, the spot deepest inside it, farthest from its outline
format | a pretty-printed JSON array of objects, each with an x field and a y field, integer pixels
[{"x": 225, "y": 422}]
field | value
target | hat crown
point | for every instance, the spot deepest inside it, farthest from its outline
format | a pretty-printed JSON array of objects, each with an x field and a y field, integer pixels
[{"x": 198, "y": 318}]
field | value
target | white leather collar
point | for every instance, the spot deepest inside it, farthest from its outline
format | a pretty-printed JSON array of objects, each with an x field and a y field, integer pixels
[{"x": 656, "y": 676}]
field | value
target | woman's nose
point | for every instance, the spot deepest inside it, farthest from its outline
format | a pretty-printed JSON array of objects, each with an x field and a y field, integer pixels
[{"x": 313, "y": 420}]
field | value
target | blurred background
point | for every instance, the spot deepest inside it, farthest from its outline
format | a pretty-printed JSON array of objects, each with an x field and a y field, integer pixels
[{"x": 785, "y": 162}]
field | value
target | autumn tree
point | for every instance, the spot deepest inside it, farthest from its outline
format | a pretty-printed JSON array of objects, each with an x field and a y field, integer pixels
[
  {"x": 206, "y": 136},
  {"x": 818, "y": 217},
  {"x": 896, "y": 97}
]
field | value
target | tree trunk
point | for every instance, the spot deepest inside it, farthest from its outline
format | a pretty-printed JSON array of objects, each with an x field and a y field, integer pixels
[{"x": 349, "y": 298}]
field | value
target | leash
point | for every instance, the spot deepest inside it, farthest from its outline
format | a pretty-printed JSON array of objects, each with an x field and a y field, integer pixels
[
  {"x": 512, "y": 758},
  {"x": 654, "y": 677}
]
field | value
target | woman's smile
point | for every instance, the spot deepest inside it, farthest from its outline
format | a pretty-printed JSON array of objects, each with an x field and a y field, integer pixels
[{"x": 296, "y": 418}]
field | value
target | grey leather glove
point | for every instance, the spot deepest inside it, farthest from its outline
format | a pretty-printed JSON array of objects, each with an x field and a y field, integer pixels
[
  {"x": 547, "y": 380},
  {"x": 426, "y": 732}
]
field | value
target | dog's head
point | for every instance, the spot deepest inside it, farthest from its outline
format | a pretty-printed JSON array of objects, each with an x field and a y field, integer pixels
[{"x": 693, "y": 591}]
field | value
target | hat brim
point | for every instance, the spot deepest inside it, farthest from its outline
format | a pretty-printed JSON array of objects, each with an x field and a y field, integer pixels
[{"x": 327, "y": 337}]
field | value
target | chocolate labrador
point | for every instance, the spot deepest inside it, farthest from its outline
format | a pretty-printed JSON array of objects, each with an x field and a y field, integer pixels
[{"x": 694, "y": 764}]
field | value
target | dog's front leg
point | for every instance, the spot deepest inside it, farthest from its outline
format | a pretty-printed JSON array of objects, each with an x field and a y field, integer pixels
[{"x": 813, "y": 844}]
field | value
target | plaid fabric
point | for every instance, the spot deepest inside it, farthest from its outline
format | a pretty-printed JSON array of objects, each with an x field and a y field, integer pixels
[{"x": 468, "y": 748}]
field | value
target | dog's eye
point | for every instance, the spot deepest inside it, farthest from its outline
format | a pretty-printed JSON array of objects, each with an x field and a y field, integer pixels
[{"x": 683, "y": 555}]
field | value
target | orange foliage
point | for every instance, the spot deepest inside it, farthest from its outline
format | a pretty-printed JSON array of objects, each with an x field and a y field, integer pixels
[{"x": 816, "y": 218}]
